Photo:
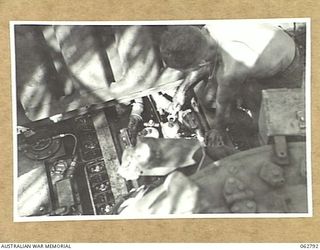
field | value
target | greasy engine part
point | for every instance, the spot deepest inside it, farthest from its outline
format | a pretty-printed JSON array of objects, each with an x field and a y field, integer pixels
[
  {"x": 150, "y": 117},
  {"x": 88, "y": 142},
  {"x": 125, "y": 138},
  {"x": 106, "y": 137},
  {"x": 187, "y": 122},
  {"x": 150, "y": 132},
  {"x": 64, "y": 195},
  {"x": 170, "y": 129},
  {"x": 84, "y": 184},
  {"x": 133, "y": 126},
  {"x": 87, "y": 183},
  {"x": 192, "y": 121},
  {"x": 90, "y": 179},
  {"x": 135, "y": 119},
  {"x": 35, "y": 148},
  {"x": 41, "y": 148},
  {"x": 162, "y": 102},
  {"x": 99, "y": 186},
  {"x": 83, "y": 181}
]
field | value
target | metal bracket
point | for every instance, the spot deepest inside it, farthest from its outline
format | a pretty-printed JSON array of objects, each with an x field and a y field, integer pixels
[
  {"x": 280, "y": 150},
  {"x": 301, "y": 119}
]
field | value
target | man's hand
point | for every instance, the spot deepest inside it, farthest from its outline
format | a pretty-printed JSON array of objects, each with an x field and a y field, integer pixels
[
  {"x": 215, "y": 138},
  {"x": 216, "y": 145},
  {"x": 177, "y": 102},
  {"x": 191, "y": 79},
  {"x": 179, "y": 98}
]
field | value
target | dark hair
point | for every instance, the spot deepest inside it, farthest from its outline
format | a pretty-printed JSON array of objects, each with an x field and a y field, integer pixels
[{"x": 182, "y": 46}]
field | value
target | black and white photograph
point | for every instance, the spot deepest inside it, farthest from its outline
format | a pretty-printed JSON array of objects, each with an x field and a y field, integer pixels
[{"x": 161, "y": 119}]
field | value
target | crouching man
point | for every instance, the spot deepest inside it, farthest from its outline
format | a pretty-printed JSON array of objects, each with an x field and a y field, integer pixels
[{"x": 236, "y": 61}]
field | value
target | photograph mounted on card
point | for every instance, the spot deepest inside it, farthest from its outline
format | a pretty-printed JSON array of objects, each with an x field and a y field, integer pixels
[{"x": 161, "y": 119}]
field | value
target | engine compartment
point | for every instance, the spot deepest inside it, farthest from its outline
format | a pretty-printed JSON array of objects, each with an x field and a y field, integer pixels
[{"x": 83, "y": 156}]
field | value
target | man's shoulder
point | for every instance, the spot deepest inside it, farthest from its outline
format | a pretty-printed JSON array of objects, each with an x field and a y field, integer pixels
[
  {"x": 232, "y": 31},
  {"x": 252, "y": 44},
  {"x": 240, "y": 25}
]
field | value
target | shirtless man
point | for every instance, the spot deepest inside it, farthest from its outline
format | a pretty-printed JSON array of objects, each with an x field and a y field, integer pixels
[{"x": 236, "y": 60}]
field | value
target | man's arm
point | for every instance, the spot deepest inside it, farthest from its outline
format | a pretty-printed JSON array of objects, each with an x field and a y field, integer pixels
[
  {"x": 190, "y": 80},
  {"x": 230, "y": 78},
  {"x": 135, "y": 61}
]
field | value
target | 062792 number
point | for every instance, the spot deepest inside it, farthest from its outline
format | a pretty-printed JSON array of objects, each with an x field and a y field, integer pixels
[{"x": 309, "y": 246}]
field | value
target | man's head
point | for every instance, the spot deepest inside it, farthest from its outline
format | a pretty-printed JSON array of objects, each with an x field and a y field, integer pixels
[{"x": 183, "y": 47}]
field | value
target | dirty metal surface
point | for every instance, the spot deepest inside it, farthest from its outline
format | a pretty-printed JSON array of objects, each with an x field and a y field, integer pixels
[
  {"x": 282, "y": 113},
  {"x": 250, "y": 182},
  {"x": 109, "y": 154}
]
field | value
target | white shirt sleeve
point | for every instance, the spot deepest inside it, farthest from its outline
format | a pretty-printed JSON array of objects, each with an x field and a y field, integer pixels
[{"x": 240, "y": 52}]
